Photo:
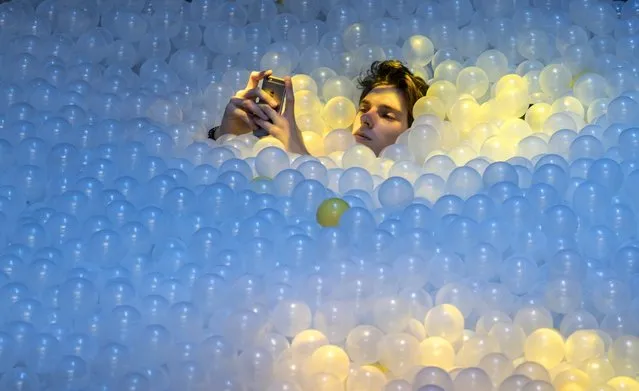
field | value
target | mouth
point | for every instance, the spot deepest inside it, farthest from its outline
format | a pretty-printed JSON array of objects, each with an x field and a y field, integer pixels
[{"x": 361, "y": 137}]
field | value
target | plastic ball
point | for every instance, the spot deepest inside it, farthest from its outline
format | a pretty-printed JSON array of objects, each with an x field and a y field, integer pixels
[
  {"x": 339, "y": 112},
  {"x": 290, "y": 318},
  {"x": 418, "y": 50}
]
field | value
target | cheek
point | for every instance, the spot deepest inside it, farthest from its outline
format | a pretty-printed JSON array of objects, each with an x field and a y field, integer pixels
[
  {"x": 356, "y": 122},
  {"x": 391, "y": 132}
]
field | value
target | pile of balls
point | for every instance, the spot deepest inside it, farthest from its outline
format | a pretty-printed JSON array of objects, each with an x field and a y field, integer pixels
[{"x": 494, "y": 246}]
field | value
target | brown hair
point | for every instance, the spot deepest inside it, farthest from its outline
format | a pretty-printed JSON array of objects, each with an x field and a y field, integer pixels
[{"x": 394, "y": 73}]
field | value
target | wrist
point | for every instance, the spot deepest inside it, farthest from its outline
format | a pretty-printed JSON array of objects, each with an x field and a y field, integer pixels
[
  {"x": 296, "y": 145},
  {"x": 221, "y": 130}
]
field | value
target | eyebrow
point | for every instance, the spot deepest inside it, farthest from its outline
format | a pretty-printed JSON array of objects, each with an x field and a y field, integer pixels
[{"x": 385, "y": 106}]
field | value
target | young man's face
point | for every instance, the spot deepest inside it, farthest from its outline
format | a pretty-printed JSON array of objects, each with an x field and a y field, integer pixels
[{"x": 381, "y": 118}]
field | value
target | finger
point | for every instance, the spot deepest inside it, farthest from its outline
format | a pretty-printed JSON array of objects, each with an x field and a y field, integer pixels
[
  {"x": 246, "y": 118},
  {"x": 249, "y": 120},
  {"x": 270, "y": 113},
  {"x": 289, "y": 110},
  {"x": 235, "y": 102},
  {"x": 269, "y": 127},
  {"x": 263, "y": 95},
  {"x": 255, "y": 78},
  {"x": 239, "y": 94},
  {"x": 253, "y": 108}
]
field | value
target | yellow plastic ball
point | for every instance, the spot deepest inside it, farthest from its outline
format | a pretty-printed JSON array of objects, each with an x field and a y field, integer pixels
[
  {"x": 366, "y": 378},
  {"x": 510, "y": 82},
  {"x": 306, "y": 342},
  {"x": 429, "y": 105},
  {"x": 399, "y": 352},
  {"x": 445, "y": 321},
  {"x": 599, "y": 370},
  {"x": 572, "y": 379},
  {"x": 473, "y": 350},
  {"x": 513, "y": 102},
  {"x": 499, "y": 148},
  {"x": 546, "y": 347},
  {"x": 515, "y": 128},
  {"x": 310, "y": 122},
  {"x": 339, "y": 112},
  {"x": 465, "y": 113},
  {"x": 314, "y": 143},
  {"x": 444, "y": 90},
  {"x": 303, "y": 82},
  {"x": 480, "y": 133},
  {"x": 437, "y": 352},
  {"x": 323, "y": 382},
  {"x": 265, "y": 142},
  {"x": 379, "y": 366},
  {"x": 306, "y": 102},
  {"x": 473, "y": 81},
  {"x": 537, "y": 115},
  {"x": 583, "y": 345},
  {"x": 449, "y": 136},
  {"x": 330, "y": 211},
  {"x": 624, "y": 383},
  {"x": 571, "y": 386},
  {"x": 568, "y": 103},
  {"x": 329, "y": 359}
]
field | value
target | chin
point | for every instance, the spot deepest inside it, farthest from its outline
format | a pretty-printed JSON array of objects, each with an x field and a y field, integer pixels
[{"x": 370, "y": 145}]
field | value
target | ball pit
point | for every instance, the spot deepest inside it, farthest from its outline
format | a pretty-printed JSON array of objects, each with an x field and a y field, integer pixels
[{"x": 494, "y": 246}]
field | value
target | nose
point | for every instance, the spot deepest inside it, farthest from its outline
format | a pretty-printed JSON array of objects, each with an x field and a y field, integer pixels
[{"x": 367, "y": 119}]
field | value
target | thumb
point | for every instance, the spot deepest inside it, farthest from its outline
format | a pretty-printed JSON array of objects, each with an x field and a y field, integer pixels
[{"x": 289, "y": 111}]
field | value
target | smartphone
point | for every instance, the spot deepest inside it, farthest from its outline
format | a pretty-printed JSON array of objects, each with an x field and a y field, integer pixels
[{"x": 275, "y": 87}]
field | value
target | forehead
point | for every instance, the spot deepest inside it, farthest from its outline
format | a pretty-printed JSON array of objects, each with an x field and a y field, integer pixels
[{"x": 386, "y": 95}]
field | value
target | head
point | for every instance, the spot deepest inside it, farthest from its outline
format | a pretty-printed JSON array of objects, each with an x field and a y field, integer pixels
[{"x": 389, "y": 92}]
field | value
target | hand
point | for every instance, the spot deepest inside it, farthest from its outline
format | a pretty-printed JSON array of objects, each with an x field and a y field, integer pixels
[
  {"x": 241, "y": 111},
  {"x": 283, "y": 127}
]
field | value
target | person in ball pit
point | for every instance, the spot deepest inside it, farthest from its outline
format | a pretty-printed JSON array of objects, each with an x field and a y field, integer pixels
[{"x": 389, "y": 92}]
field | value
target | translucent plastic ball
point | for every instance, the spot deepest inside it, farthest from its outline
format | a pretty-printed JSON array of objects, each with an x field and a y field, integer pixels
[
  {"x": 555, "y": 79},
  {"x": 270, "y": 161},
  {"x": 433, "y": 378},
  {"x": 546, "y": 347},
  {"x": 445, "y": 321},
  {"x": 590, "y": 87},
  {"x": 290, "y": 318},
  {"x": 473, "y": 81},
  {"x": 396, "y": 192},
  {"x": 471, "y": 41},
  {"x": 463, "y": 182},
  {"x": 534, "y": 44},
  {"x": 329, "y": 359},
  {"x": 472, "y": 378},
  {"x": 422, "y": 140},
  {"x": 399, "y": 352},
  {"x": 494, "y": 63},
  {"x": 418, "y": 50},
  {"x": 361, "y": 344},
  {"x": 429, "y": 105},
  {"x": 280, "y": 63},
  {"x": 339, "y": 112}
]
